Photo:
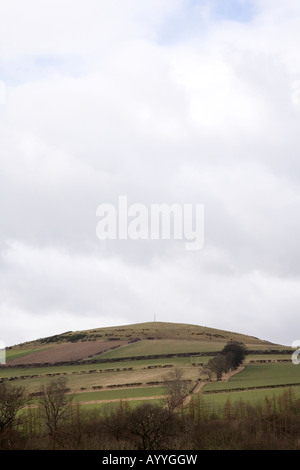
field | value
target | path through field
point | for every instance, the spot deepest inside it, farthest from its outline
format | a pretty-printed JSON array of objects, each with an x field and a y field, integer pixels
[
  {"x": 117, "y": 400},
  {"x": 201, "y": 383},
  {"x": 111, "y": 400}
]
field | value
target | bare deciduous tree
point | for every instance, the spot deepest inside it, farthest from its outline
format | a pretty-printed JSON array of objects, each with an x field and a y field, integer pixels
[
  {"x": 177, "y": 388},
  {"x": 151, "y": 425},
  {"x": 116, "y": 421},
  {"x": 55, "y": 402},
  {"x": 12, "y": 399}
]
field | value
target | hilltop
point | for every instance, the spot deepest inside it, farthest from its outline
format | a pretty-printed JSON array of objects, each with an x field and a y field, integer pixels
[
  {"x": 148, "y": 330},
  {"x": 129, "y": 341}
]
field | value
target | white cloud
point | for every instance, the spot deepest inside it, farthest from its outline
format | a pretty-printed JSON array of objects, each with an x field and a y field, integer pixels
[
  {"x": 145, "y": 99},
  {"x": 89, "y": 28},
  {"x": 56, "y": 291}
]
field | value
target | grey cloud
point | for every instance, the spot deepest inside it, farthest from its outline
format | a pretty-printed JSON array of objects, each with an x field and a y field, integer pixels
[{"x": 208, "y": 118}]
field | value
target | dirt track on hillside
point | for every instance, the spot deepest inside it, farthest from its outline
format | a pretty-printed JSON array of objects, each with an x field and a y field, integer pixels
[
  {"x": 116, "y": 400},
  {"x": 201, "y": 384},
  {"x": 112, "y": 400}
]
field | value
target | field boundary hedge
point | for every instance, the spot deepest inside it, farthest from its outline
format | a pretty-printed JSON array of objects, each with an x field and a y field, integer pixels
[
  {"x": 135, "y": 358},
  {"x": 257, "y": 387}
]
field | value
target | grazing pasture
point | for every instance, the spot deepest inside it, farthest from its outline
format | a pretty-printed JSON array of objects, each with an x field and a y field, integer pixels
[{"x": 138, "y": 357}]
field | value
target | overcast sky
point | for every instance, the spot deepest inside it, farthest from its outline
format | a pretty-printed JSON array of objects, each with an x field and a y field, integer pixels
[{"x": 164, "y": 101}]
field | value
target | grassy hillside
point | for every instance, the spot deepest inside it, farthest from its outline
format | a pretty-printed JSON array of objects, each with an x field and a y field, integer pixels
[
  {"x": 121, "y": 368},
  {"x": 129, "y": 341},
  {"x": 151, "y": 330},
  {"x": 138, "y": 357}
]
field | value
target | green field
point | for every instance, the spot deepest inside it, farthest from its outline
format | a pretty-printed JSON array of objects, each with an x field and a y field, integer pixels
[
  {"x": 104, "y": 408},
  {"x": 259, "y": 375},
  {"x": 106, "y": 375},
  {"x": 86, "y": 378},
  {"x": 115, "y": 395},
  {"x": 118, "y": 378},
  {"x": 157, "y": 347},
  {"x": 217, "y": 400},
  {"x": 106, "y": 389},
  {"x": 268, "y": 357},
  {"x": 121, "y": 394},
  {"x": 254, "y": 375}
]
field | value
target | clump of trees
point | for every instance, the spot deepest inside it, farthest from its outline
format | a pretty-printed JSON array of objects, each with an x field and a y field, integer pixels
[{"x": 231, "y": 356}]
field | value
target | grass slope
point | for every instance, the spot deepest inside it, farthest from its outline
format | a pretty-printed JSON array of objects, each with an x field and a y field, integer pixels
[
  {"x": 139, "y": 341},
  {"x": 126, "y": 341},
  {"x": 260, "y": 375},
  {"x": 151, "y": 330}
]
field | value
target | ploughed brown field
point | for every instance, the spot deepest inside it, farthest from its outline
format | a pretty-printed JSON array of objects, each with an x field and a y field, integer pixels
[{"x": 67, "y": 352}]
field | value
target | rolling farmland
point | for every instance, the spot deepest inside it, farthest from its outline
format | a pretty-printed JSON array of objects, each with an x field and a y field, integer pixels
[
  {"x": 137, "y": 359},
  {"x": 116, "y": 377}
]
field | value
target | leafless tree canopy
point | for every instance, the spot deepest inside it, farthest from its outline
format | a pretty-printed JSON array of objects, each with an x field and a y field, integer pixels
[
  {"x": 55, "y": 401},
  {"x": 12, "y": 398}
]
